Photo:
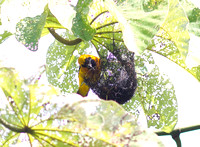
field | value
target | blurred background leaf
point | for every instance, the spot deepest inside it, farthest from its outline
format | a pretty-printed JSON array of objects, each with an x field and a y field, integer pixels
[
  {"x": 63, "y": 120},
  {"x": 104, "y": 123},
  {"x": 29, "y": 30},
  {"x": 16, "y": 97}
]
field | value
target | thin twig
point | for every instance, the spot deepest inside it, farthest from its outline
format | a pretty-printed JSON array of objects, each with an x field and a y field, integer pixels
[
  {"x": 120, "y": 40},
  {"x": 106, "y": 32},
  {"x": 105, "y": 25},
  {"x": 97, "y": 16}
]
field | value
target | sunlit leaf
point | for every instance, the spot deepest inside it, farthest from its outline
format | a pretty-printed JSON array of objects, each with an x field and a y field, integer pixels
[
  {"x": 193, "y": 58},
  {"x": 51, "y": 22},
  {"x": 16, "y": 100},
  {"x": 138, "y": 26},
  {"x": 81, "y": 27},
  {"x": 39, "y": 97},
  {"x": 29, "y": 30},
  {"x": 175, "y": 28},
  {"x": 66, "y": 120},
  {"x": 20, "y": 106},
  {"x": 104, "y": 123},
  {"x": 157, "y": 96},
  {"x": 2, "y": 1},
  {"x": 151, "y": 5},
  {"x": 167, "y": 47}
]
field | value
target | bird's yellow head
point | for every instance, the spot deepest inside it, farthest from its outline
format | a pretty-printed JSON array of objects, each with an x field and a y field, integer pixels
[{"x": 88, "y": 61}]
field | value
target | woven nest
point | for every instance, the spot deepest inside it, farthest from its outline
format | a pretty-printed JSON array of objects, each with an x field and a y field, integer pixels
[{"x": 118, "y": 78}]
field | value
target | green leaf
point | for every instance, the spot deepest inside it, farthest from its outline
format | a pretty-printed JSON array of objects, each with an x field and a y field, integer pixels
[
  {"x": 61, "y": 64},
  {"x": 4, "y": 36},
  {"x": 39, "y": 97},
  {"x": 156, "y": 94},
  {"x": 16, "y": 97},
  {"x": 2, "y": 1},
  {"x": 21, "y": 106},
  {"x": 29, "y": 30},
  {"x": 175, "y": 28},
  {"x": 51, "y": 22},
  {"x": 138, "y": 25},
  {"x": 104, "y": 123},
  {"x": 169, "y": 49},
  {"x": 168, "y": 45},
  {"x": 64, "y": 120},
  {"x": 83, "y": 6},
  {"x": 193, "y": 14},
  {"x": 81, "y": 27},
  {"x": 151, "y": 5}
]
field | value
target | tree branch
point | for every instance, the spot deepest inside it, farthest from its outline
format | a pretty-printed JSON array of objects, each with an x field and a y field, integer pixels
[
  {"x": 180, "y": 130},
  {"x": 177, "y": 139},
  {"x": 175, "y": 134},
  {"x": 62, "y": 40}
]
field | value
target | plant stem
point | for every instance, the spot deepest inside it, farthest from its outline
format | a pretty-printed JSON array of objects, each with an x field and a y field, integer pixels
[
  {"x": 177, "y": 139},
  {"x": 62, "y": 40},
  {"x": 11, "y": 127}
]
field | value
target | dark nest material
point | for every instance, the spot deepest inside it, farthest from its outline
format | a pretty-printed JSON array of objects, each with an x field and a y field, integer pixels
[{"x": 118, "y": 77}]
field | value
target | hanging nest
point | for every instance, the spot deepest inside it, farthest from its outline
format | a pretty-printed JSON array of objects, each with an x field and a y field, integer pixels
[{"x": 117, "y": 80}]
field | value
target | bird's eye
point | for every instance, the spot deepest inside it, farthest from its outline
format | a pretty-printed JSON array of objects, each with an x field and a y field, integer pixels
[
  {"x": 93, "y": 63},
  {"x": 89, "y": 63}
]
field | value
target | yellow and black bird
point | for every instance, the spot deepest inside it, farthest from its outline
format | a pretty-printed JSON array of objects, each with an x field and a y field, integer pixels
[
  {"x": 89, "y": 73},
  {"x": 111, "y": 78}
]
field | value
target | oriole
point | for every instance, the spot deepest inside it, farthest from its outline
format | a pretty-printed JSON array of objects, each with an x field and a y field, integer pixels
[{"x": 89, "y": 73}]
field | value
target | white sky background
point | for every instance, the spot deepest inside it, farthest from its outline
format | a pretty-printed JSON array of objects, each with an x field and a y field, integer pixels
[{"x": 186, "y": 86}]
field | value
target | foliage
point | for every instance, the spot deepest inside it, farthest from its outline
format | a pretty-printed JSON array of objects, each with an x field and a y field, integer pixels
[
  {"x": 46, "y": 119},
  {"x": 146, "y": 27}
]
